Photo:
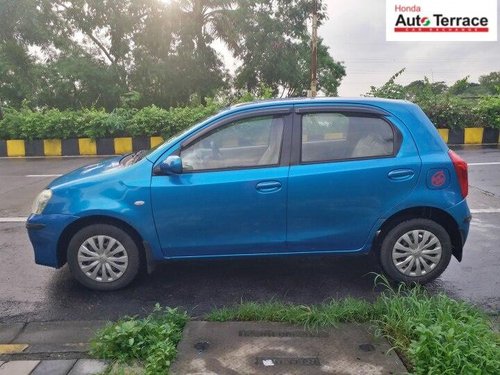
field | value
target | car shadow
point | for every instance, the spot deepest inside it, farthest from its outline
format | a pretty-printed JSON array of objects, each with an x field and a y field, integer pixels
[{"x": 198, "y": 286}]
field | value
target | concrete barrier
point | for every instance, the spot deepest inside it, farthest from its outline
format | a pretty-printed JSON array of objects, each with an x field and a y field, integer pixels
[{"x": 76, "y": 146}]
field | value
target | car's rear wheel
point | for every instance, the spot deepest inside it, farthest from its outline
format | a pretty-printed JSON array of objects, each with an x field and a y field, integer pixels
[
  {"x": 103, "y": 257},
  {"x": 416, "y": 250}
]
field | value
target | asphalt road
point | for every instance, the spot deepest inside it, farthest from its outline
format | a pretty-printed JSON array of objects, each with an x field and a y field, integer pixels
[{"x": 29, "y": 292}]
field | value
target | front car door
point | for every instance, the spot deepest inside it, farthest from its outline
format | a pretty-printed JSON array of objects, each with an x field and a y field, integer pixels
[
  {"x": 231, "y": 197},
  {"x": 349, "y": 167}
]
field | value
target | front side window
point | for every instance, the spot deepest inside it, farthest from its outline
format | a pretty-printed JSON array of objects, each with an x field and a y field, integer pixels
[
  {"x": 249, "y": 142},
  {"x": 336, "y": 136}
]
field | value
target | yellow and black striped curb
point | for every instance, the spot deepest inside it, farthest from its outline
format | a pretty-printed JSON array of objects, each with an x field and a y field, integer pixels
[
  {"x": 12, "y": 348},
  {"x": 123, "y": 145},
  {"x": 77, "y": 146},
  {"x": 470, "y": 136}
]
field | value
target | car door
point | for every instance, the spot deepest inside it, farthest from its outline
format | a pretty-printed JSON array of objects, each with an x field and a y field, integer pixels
[
  {"x": 230, "y": 198},
  {"x": 349, "y": 167}
]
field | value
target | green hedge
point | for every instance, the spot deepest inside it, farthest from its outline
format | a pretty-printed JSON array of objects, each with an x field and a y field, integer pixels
[
  {"x": 445, "y": 112},
  {"x": 93, "y": 123},
  {"x": 453, "y": 112}
]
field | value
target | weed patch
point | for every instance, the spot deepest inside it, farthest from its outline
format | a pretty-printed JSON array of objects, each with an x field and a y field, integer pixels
[
  {"x": 437, "y": 334},
  {"x": 152, "y": 340}
]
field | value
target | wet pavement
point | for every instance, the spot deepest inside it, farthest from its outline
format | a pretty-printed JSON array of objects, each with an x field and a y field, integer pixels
[{"x": 29, "y": 292}]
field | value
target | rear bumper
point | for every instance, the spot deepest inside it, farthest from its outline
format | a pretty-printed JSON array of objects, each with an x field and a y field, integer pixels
[
  {"x": 44, "y": 232},
  {"x": 461, "y": 213}
]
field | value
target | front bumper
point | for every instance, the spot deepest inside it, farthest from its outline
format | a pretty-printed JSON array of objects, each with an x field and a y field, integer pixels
[{"x": 44, "y": 232}]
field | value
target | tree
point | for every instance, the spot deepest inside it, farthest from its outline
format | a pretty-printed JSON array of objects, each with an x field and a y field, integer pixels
[
  {"x": 491, "y": 83},
  {"x": 78, "y": 82},
  {"x": 80, "y": 53},
  {"x": 22, "y": 23},
  {"x": 274, "y": 48},
  {"x": 390, "y": 89},
  {"x": 202, "y": 22}
]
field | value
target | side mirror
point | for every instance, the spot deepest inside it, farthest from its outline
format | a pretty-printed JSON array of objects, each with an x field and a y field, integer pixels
[{"x": 172, "y": 165}]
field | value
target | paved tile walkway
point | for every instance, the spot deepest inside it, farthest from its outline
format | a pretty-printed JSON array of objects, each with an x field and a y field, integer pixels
[{"x": 53, "y": 367}]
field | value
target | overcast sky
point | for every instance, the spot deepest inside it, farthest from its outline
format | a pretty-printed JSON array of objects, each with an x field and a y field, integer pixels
[{"x": 355, "y": 33}]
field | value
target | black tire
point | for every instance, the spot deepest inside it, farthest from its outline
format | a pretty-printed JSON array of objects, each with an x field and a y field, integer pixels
[
  {"x": 396, "y": 233},
  {"x": 130, "y": 251}
]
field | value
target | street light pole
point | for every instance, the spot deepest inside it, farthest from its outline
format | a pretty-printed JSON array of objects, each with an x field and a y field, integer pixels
[{"x": 314, "y": 50}]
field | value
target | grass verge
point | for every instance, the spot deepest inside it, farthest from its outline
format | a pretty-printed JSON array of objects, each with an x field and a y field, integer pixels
[
  {"x": 434, "y": 334},
  {"x": 314, "y": 316}
]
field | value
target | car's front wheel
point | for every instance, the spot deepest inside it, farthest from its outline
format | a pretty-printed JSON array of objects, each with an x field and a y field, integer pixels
[
  {"x": 103, "y": 257},
  {"x": 416, "y": 250}
]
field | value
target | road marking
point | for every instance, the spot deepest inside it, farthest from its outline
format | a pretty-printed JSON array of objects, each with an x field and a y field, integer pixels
[
  {"x": 43, "y": 175},
  {"x": 486, "y": 163},
  {"x": 485, "y": 211},
  {"x": 12, "y": 348},
  {"x": 13, "y": 219}
]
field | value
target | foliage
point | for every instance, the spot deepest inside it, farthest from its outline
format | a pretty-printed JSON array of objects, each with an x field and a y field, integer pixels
[
  {"x": 434, "y": 333},
  {"x": 488, "y": 108},
  {"x": 438, "y": 335},
  {"x": 274, "y": 47},
  {"x": 453, "y": 107},
  {"x": 327, "y": 314},
  {"x": 390, "y": 89},
  {"x": 491, "y": 83},
  {"x": 75, "y": 54},
  {"x": 455, "y": 113},
  {"x": 94, "y": 123},
  {"x": 152, "y": 340},
  {"x": 25, "y": 123}
]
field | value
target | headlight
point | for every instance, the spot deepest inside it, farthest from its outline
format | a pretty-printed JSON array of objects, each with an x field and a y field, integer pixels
[{"x": 41, "y": 201}]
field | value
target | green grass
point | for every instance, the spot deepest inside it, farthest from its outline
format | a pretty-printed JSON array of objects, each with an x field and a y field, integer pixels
[
  {"x": 437, "y": 334},
  {"x": 151, "y": 341},
  {"x": 315, "y": 316},
  {"x": 434, "y": 334}
]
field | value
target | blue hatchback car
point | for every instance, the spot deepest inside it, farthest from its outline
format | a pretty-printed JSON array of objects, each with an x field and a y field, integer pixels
[{"x": 284, "y": 177}]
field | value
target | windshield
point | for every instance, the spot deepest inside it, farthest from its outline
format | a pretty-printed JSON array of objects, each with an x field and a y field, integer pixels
[
  {"x": 183, "y": 132},
  {"x": 133, "y": 158}
]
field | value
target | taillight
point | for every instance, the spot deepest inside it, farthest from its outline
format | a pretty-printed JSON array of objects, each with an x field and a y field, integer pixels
[{"x": 461, "y": 170}]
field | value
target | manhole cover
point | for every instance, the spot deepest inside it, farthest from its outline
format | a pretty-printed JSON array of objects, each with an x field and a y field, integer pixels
[{"x": 260, "y": 348}]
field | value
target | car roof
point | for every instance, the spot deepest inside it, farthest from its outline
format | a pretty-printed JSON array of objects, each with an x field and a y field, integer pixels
[{"x": 379, "y": 102}]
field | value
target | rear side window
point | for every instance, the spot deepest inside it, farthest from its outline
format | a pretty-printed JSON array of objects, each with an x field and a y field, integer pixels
[{"x": 336, "y": 136}]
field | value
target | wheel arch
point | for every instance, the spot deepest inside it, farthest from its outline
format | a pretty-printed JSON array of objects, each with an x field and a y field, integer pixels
[
  {"x": 424, "y": 212},
  {"x": 70, "y": 230}
]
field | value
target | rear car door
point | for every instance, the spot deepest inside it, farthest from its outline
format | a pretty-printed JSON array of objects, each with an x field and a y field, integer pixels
[
  {"x": 349, "y": 166},
  {"x": 231, "y": 197}
]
